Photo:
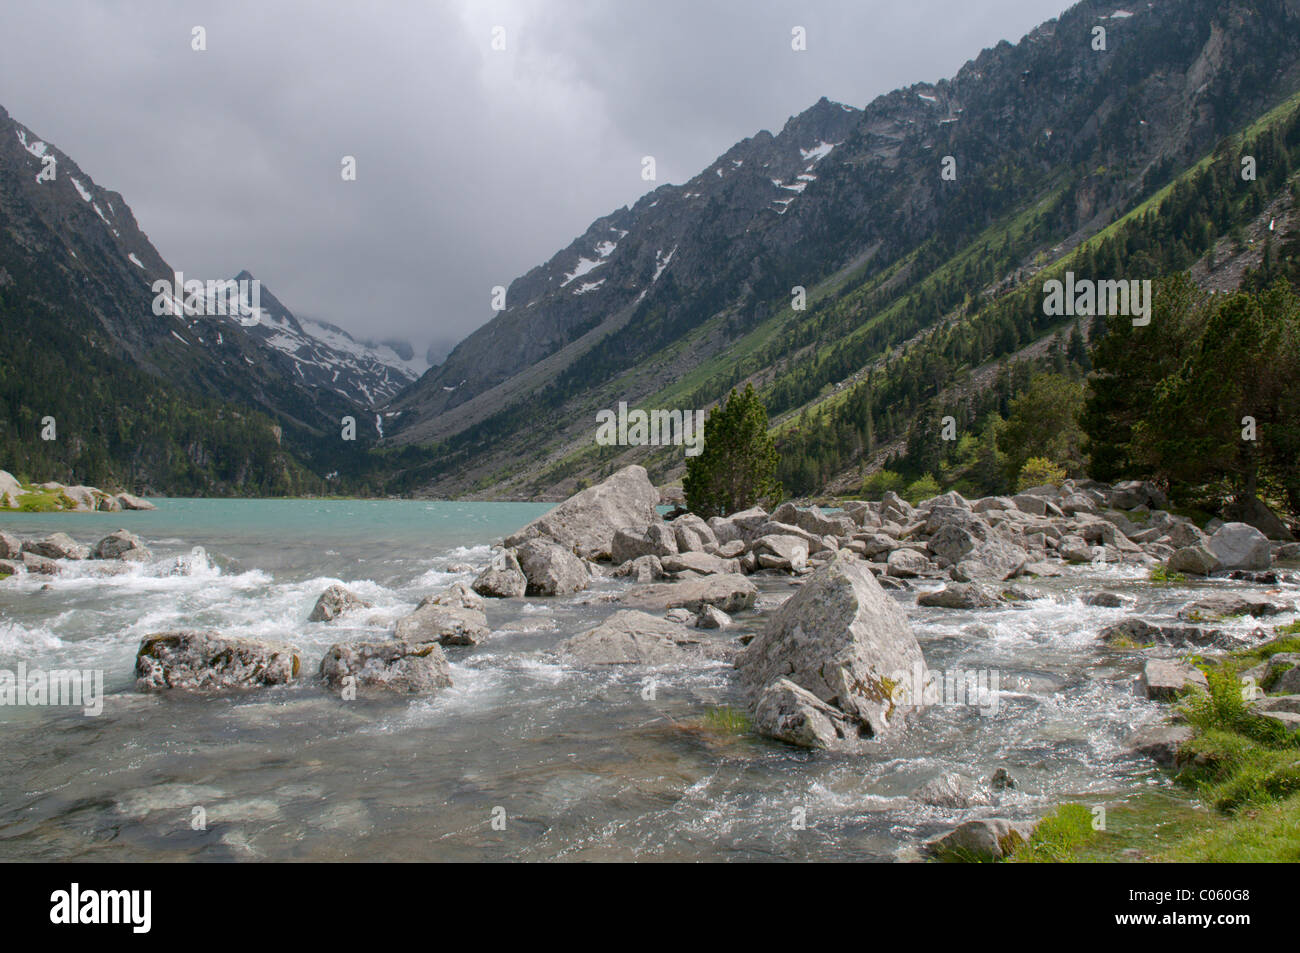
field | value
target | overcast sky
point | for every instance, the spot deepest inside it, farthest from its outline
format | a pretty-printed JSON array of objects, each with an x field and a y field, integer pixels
[{"x": 473, "y": 165}]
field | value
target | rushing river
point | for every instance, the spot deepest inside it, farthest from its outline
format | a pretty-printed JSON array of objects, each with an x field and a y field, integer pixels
[{"x": 526, "y": 757}]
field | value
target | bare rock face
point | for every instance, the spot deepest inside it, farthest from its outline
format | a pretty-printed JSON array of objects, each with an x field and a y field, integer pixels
[
  {"x": 551, "y": 570},
  {"x": 629, "y": 637},
  {"x": 392, "y": 666},
  {"x": 335, "y": 601},
  {"x": 841, "y": 638},
  {"x": 502, "y": 579},
  {"x": 586, "y": 522},
  {"x": 11, "y": 547},
  {"x": 206, "y": 661}
]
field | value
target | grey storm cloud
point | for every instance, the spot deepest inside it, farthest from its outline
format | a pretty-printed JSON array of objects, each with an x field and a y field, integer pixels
[{"x": 473, "y": 165}]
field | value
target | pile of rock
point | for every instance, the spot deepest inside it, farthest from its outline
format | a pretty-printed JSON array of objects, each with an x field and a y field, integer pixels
[
  {"x": 70, "y": 498},
  {"x": 45, "y": 555}
]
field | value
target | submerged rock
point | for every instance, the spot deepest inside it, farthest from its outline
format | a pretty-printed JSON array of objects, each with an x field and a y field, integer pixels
[
  {"x": 960, "y": 595},
  {"x": 206, "y": 661},
  {"x": 728, "y": 591},
  {"x": 390, "y": 666},
  {"x": 951, "y": 790},
  {"x": 629, "y": 637},
  {"x": 841, "y": 638}
]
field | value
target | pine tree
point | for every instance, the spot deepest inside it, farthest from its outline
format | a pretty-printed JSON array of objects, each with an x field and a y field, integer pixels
[{"x": 737, "y": 467}]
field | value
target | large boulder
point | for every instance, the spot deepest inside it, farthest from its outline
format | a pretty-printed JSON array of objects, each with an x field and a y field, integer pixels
[
  {"x": 629, "y": 637},
  {"x": 335, "y": 601},
  {"x": 586, "y": 522},
  {"x": 57, "y": 546},
  {"x": 391, "y": 666},
  {"x": 206, "y": 661},
  {"x": 1240, "y": 546},
  {"x": 729, "y": 592},
  {"x": 502, "y": 579},
  {"x": 122, "y": 545},
  {"x": 841, "y": 638},
  {"x": 633, "y": 542},
  {"x": 551, "y": 569},
  {"x": 995, "y": 559}
]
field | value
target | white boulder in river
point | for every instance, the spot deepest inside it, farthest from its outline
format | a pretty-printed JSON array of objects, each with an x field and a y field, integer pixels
[
  {"x": 586, "y": 522},
  {"x": 841, "y": 639}
]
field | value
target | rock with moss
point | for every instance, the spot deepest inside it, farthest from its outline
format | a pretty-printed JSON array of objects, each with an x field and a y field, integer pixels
[
  {"x": 986, "y": 839},
  {"x": 841, "y": 638},
  {"x": 206, "y": 661}
]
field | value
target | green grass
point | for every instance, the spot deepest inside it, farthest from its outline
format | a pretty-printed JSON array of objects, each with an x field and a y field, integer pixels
[
  {"x": 1237, "y": 792},
  {"x": 1057, "y": 837},
  {"x": 726, "y": 720},
  {"x": 1161, "y": 576},
  {"x": 37, "y": 500}
]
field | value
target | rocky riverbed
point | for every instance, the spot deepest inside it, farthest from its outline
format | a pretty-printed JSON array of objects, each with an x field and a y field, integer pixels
[{"x": 846, "y": 684}]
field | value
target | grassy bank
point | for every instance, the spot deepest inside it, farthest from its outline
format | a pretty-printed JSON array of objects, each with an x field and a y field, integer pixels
[{"x": 1236, "y": 796}]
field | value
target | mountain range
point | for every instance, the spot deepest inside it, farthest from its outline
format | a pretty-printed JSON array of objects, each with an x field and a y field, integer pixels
[{"x": 901, "y": 227}]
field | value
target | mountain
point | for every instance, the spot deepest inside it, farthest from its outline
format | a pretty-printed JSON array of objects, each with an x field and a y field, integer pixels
[
  {"x": 247, "y": 408},
  {"x": 688, "y": 292},
  {"x": 324, "y": 357}
]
